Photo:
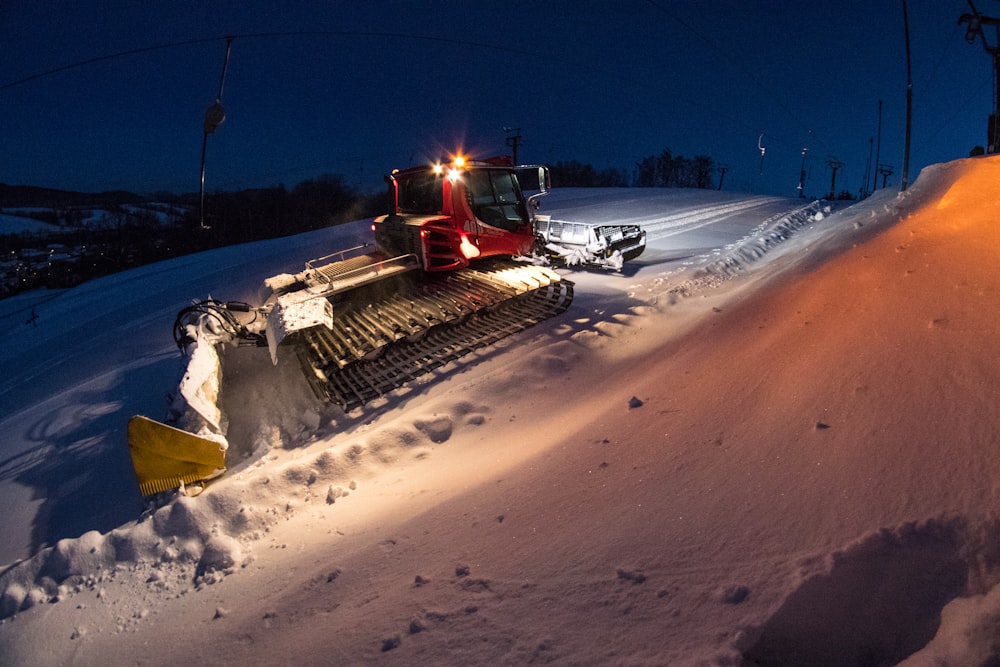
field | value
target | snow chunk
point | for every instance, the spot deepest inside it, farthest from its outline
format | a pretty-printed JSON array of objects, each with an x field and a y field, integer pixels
[
  {"x": 221, "y": 556},
  {"x": 185, "y": 517},
  {"x": 85, "y": 555},
  {"x": 201, "y": 381},
  {"x": 12, "y": 599}
]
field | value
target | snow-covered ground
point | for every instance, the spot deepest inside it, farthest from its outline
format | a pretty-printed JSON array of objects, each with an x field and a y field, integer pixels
[
  {"x": 14, "y": 221},
  {"x": 774, "y": 450},
  {"x": 19, "y": 224}
]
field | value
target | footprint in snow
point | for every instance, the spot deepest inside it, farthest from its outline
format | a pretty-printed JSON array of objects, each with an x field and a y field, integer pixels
[{"x": 438, "y": 428}]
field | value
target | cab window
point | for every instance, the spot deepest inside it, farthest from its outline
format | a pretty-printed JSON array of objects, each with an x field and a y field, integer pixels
[
  {"x": 495, "y": 198},
  {"x": 420, "y": 194}
]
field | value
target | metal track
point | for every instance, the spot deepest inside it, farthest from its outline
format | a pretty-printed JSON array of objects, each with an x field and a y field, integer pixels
[{"x": 394, "y": 332}]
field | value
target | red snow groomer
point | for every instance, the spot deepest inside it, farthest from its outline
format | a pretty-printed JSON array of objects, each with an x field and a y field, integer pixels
[
  {"x": 459, "y": 262},
  {"x": 465, "y": 210}
]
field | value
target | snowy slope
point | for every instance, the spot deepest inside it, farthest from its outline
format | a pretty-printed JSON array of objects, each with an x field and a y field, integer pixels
[
  {"x": 779, "y": 450},
  {"x": 16, "y": 224}
]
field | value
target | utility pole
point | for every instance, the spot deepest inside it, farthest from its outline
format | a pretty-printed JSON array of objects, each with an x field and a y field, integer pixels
[
  {"x": 868, "y": 168},
  {"x": 834, "y": 165},
  {"x": 909, "y": 106},
  {"x": 878, "y": 146},
  {"x": 513, "y": 140},
  {"x": 975, "y": 22},
  {"x": 722, "y": 174}
]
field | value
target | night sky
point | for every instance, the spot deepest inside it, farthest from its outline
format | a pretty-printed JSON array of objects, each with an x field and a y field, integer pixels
[{"x": 112, "y": 95}]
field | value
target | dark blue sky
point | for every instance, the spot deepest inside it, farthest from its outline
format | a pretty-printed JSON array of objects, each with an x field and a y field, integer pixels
[{"x": 358, "y": 88}]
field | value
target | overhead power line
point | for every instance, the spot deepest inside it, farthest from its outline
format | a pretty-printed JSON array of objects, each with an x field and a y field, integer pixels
[{"x": 256, "y": 35}]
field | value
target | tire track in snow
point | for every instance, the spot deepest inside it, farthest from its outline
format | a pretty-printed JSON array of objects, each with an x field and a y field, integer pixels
[
  {"x": 724, "y": 263},
  {"x": 658, "y": 227}
]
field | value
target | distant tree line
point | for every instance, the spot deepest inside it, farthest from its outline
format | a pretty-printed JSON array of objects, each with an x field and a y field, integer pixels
[
  {"x": 665, "y": 170},
  {"x": 574, "y": 174},
  {"x": 250, "y": 215}
]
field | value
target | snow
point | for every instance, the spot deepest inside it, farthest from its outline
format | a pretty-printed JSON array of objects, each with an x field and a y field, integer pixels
[
  {"x": 89, "y": 217},
  {"x": 17, "y": 224},
  {"x": 773, "y": 449}
]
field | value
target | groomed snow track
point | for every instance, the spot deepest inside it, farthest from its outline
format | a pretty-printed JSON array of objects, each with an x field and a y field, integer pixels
[{"x": 416, "y": 323}]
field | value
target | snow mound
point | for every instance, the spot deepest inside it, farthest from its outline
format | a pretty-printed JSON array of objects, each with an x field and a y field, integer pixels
[
  {"x": 202, "y": 539},
  {"x": 882, "y": 598}
]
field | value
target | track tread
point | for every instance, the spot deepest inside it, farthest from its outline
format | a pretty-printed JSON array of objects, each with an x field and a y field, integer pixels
[{"x": 369, "y": 355}]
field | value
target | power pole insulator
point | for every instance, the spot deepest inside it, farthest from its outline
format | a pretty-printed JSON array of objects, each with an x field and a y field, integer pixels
[
  {"x": 513, "y": 139},
  {"x": 886, "y": 170}
]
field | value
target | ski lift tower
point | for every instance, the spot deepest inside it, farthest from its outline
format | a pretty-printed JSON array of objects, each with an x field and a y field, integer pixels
[{"x": 975, "y": 22}]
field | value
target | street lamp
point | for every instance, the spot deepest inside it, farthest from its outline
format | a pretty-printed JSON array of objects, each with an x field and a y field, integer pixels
[{"x": 215, "y": 115}]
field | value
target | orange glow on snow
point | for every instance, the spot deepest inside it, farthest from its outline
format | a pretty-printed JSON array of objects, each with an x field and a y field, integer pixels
[{"x": 976, "y": 187}]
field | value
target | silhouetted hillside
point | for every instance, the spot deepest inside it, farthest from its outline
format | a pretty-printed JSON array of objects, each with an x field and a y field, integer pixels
[{"x": 34, "y": 196}]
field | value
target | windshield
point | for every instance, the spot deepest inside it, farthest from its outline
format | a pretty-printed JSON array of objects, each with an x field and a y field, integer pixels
[{"x": 495, "y": 198}]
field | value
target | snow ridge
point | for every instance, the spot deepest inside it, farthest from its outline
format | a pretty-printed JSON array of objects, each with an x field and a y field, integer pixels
[{"x": 735, "y": 258}]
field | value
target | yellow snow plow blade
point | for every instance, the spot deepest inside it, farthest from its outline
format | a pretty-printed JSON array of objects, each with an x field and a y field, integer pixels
[{"x": 165, "y": 457}]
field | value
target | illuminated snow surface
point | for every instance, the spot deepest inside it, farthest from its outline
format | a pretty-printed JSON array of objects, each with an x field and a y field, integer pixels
[{"x": 783, "y": 451}]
